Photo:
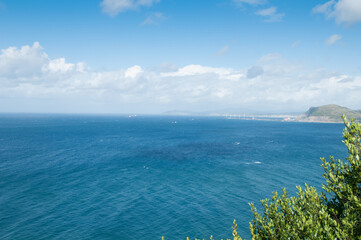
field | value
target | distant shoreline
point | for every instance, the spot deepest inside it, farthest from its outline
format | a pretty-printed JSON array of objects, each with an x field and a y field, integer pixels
[
  {"x": 283, "y": 120},
  {"x": 276, "y": 118}
]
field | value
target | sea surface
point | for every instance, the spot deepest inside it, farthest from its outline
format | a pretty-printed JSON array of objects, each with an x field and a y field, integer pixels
[{"x": 143, "y": 177}]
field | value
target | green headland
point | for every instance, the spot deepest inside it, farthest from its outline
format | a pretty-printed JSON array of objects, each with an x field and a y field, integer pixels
[{"x": 328, "y": 113}]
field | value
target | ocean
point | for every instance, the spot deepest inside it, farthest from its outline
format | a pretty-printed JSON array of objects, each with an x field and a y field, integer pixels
[{"x": 143, "y": 177}]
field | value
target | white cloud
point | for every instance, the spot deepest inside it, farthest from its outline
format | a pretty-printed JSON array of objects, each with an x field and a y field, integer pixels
[
  {"x": 194, "y": 70},
  {"x": 31, "y": 81},
  {"x": 333, "y": 39},
  {"x": 114, "y": 7},
  {"x": 60, "y": 66},
  {"x": 271, "y": 14},
  {"x": 343, "y": 11},
  {"x": 251, "y": 2},
  {"x": 23, "y": 62},
  {"x": 223, "y": 51},
  {"x": 133, "y": 72},
  {"x": 154, "y": 19},
  {"x": 326, "y": 8}
]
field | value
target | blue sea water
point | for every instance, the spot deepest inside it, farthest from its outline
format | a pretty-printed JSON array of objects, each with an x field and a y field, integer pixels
[{"x": 114, "y": 177}]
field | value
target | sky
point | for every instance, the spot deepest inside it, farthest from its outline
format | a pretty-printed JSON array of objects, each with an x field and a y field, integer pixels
[{"x": 154, "y": 56}]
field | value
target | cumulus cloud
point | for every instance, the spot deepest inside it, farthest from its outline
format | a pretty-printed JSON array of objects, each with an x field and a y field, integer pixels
[
  {"x": 32, "y": 81},
  {"x": 271, "y": 14},
  {"x": 343, "y": 11},
  {"x": 133, "y": 72},
  {"x": 333, "y": 39},
  {"x": 26, "y": 61},
  {"x": 114, "y": 7}
]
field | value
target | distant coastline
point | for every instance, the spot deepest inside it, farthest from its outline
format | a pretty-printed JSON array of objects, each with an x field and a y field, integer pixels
[
  {"x": 330, "y": 113},
  {"x": 293, "y": 119}
]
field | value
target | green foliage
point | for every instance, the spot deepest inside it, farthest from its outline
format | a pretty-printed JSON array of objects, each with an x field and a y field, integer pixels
[
  {"x": 301, "y": 217},
  {"x": 344, "y": 183},
  {"x": 334, "y": 213}
]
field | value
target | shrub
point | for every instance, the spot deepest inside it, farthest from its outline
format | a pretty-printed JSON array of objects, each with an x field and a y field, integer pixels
[{"x": 333, "y": 213}]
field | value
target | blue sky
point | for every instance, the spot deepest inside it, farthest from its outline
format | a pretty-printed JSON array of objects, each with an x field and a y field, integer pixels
[{"x": 151, "y": 56}]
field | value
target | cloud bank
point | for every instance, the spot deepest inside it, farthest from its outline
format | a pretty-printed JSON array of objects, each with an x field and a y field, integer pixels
[{"x": 31, "y": 81}]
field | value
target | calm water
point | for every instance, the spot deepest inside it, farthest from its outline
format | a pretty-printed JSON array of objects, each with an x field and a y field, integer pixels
[{"x": 113, "y": 177}]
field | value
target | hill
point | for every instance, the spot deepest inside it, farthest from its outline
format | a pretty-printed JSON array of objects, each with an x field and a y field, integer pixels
[{"x": 328, "y": 113}]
